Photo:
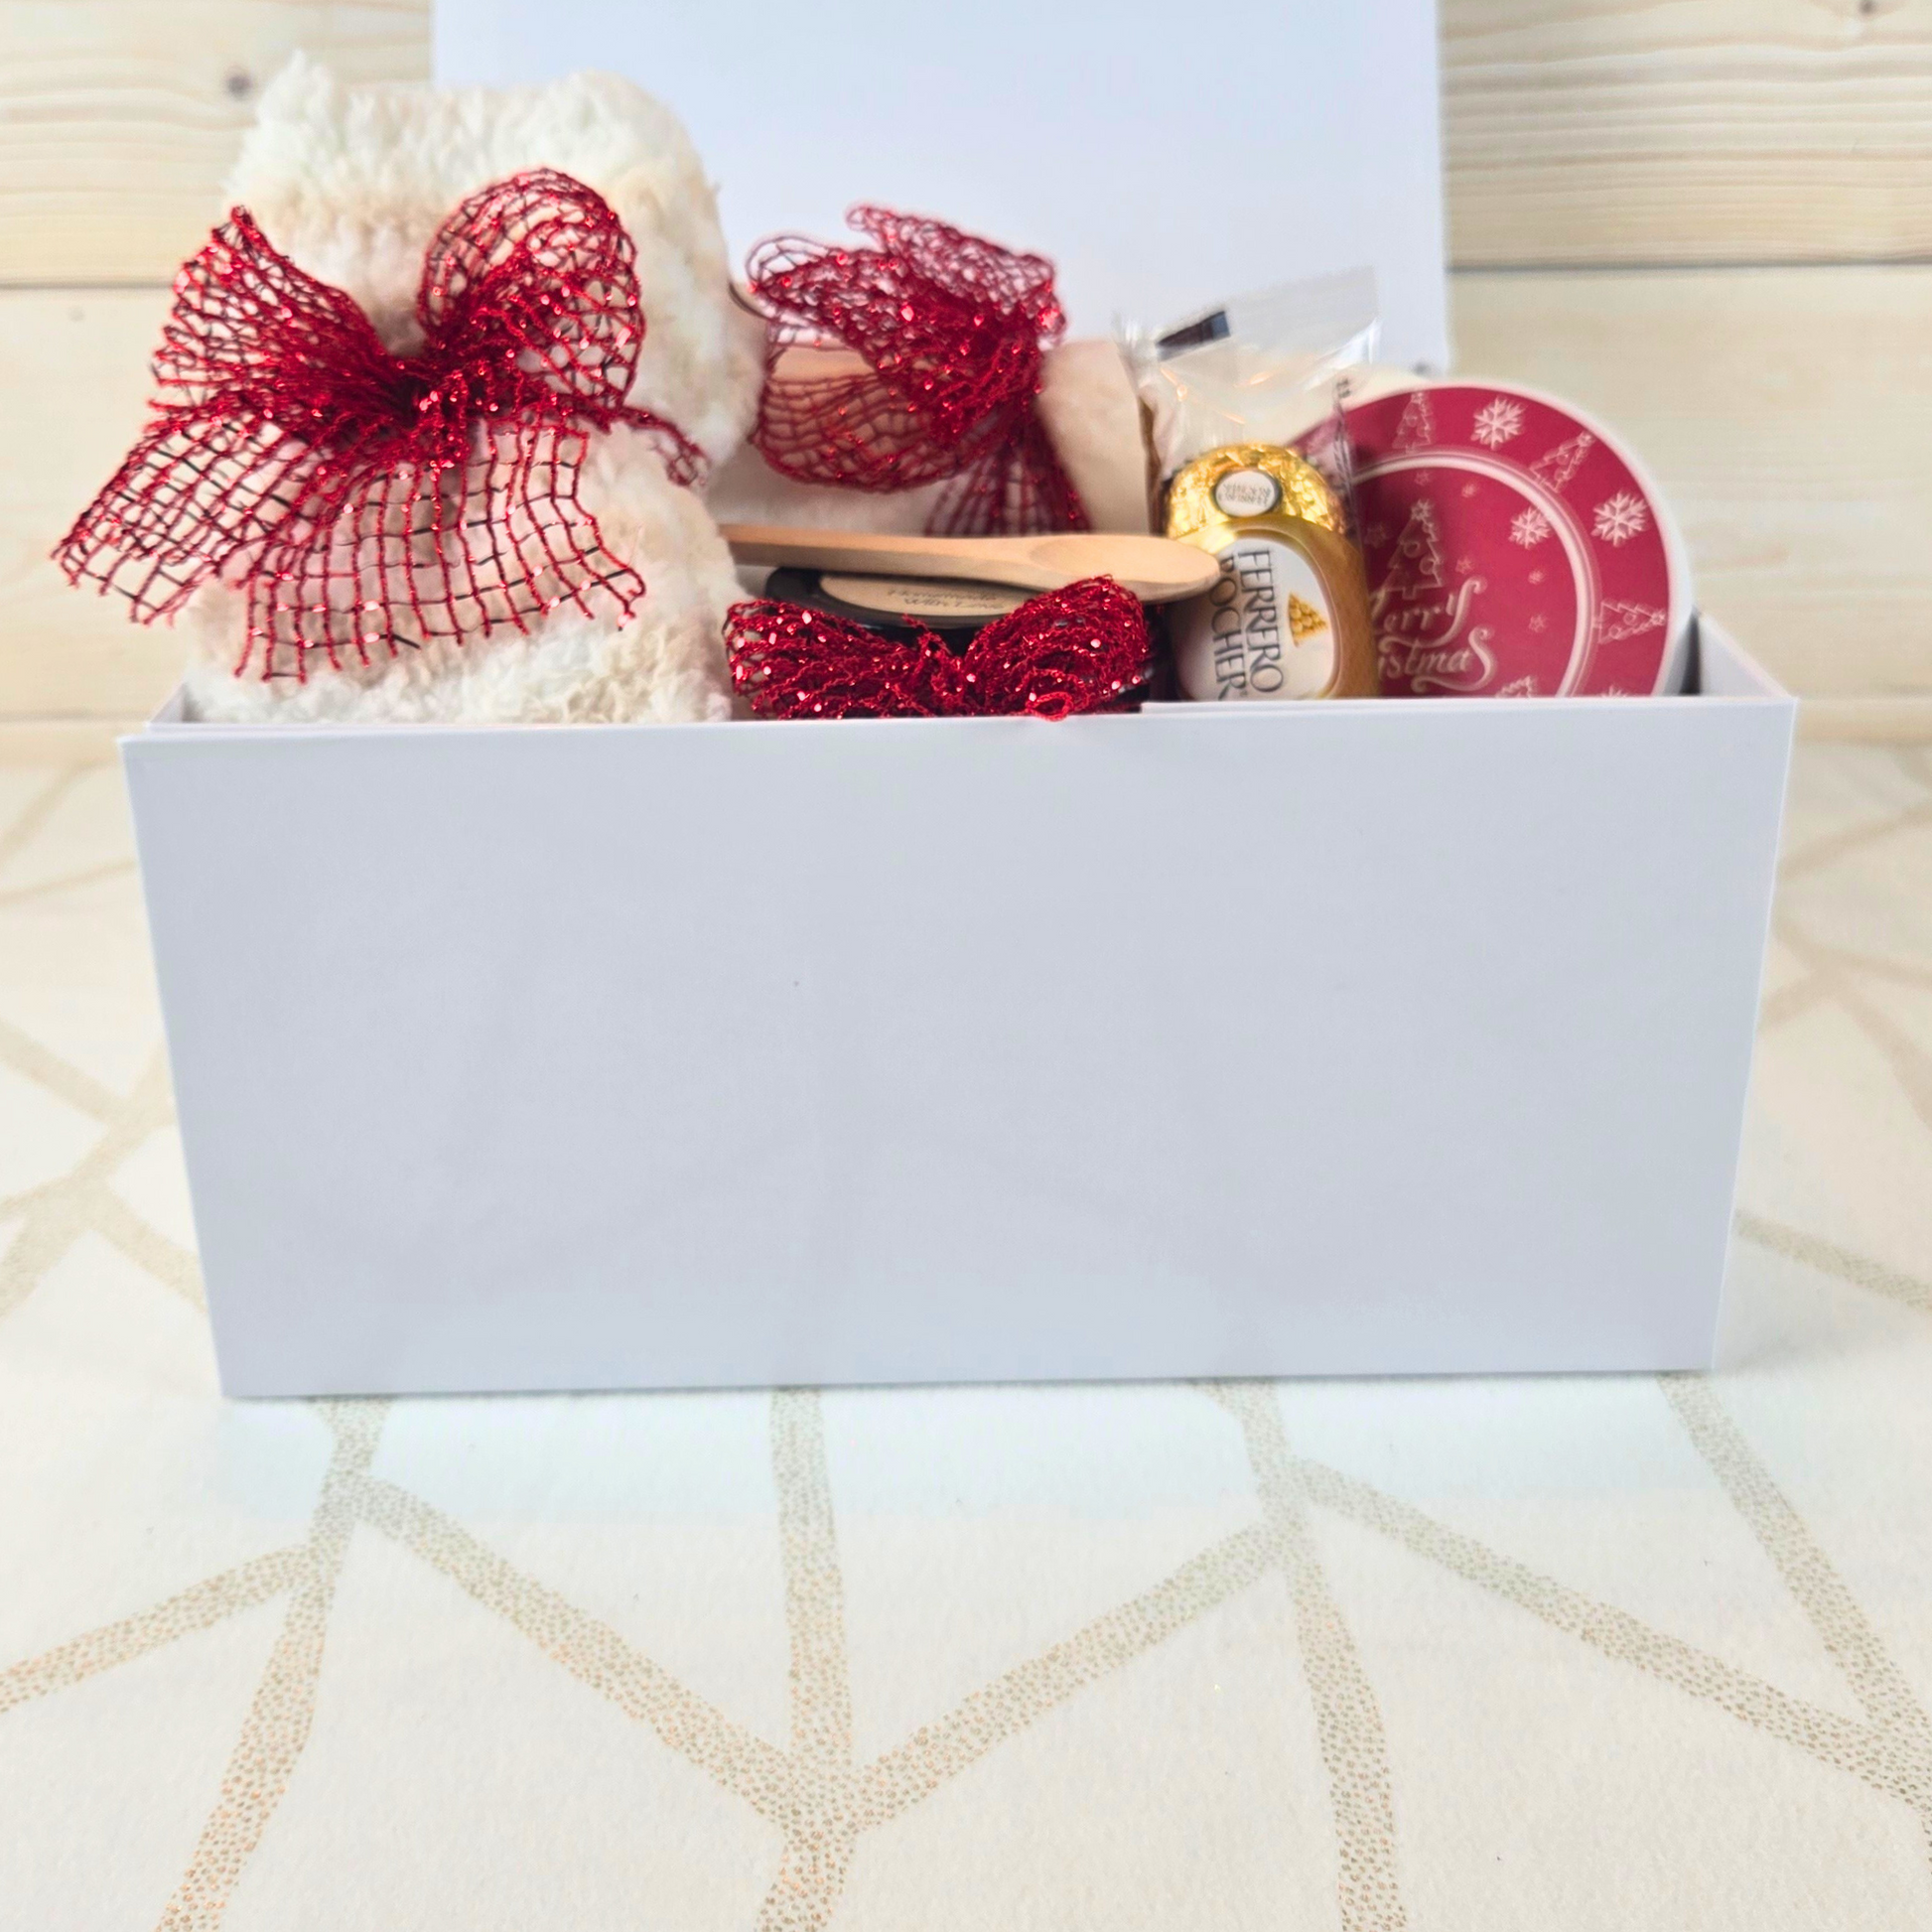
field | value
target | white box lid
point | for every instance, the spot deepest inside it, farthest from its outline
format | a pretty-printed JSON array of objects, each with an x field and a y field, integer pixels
[{"x": 1166, "y": 157}]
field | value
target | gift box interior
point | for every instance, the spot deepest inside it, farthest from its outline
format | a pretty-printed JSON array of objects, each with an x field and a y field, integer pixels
[{"x": 1264, "y": 1038}]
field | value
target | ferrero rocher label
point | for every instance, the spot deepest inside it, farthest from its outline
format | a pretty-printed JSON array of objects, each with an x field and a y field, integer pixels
[{"x": 1289, "y": 617}]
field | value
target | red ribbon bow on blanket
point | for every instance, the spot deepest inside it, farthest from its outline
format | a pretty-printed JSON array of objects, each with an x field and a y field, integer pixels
[
  {"x": 367, "y": 500},
  {"x": 951, "y": 329}
]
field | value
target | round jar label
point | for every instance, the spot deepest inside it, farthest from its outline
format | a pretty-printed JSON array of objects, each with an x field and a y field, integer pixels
[
  {"x": 1246, "y": 492},
  {"x": 1265, "y": 631}
]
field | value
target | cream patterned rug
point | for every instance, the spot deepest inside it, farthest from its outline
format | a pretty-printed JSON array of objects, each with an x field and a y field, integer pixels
[{"x": 1550, "y": 1655}]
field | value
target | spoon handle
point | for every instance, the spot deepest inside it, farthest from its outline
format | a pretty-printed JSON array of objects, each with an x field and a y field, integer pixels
[{"x": 983, "y": 560}]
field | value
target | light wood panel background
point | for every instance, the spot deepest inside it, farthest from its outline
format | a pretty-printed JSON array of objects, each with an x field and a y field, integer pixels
[{"x": 1710, "y": 220}]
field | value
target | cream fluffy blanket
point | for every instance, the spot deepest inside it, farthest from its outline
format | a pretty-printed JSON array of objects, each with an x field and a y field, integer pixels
[{"x": 352, "y": 185}]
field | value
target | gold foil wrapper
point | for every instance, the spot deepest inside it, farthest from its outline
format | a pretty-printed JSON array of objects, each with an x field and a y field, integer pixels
[
  {"x": 1287, "y": 618},
  {"x": 1305, "y": 492}
]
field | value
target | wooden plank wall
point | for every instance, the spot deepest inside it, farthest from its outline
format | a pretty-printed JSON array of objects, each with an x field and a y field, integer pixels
[{"x": 1710, "y": 220}]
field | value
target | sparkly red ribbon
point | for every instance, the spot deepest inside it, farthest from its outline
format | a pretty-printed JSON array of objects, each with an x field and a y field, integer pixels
[
  {"x": 951, "y": 329},
  {"x": 1081, "y": 648},
  {"x": 366, "y": 501}
]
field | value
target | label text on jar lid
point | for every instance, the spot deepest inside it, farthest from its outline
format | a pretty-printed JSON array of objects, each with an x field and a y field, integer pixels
[{"x": 922, "y": 597}]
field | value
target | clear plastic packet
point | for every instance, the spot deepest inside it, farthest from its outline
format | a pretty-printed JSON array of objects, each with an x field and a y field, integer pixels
[
  {"x": 1252, "y": 454},
  {"x": 1269, "y": 368}
]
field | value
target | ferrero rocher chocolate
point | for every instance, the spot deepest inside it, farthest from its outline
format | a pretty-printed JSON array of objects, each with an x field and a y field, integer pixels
[{"x": 1289, "y": 618}]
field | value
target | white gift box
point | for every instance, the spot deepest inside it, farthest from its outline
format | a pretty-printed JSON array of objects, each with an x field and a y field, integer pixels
[
  {"x": 1266, "y": 1039},
  {"x": 1263, "y": 1039}
]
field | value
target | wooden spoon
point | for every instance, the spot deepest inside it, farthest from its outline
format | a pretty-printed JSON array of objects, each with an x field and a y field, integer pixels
[{"x": 1156, "y": 569}]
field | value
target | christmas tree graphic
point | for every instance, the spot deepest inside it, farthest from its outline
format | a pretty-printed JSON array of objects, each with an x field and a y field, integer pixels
[
  {"x": 1415, "y": 567},
  {"x": 1555, "y": 466},
  {"x": 1617, "y": 621},
  {"x": 1418, "y": 425}
]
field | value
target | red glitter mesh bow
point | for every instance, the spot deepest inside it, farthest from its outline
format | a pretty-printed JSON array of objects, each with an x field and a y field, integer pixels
[
  {"x": 1081, "y": 648},
  {"x": 951, "y": 329},
  {"x": 366, "y": 500}
]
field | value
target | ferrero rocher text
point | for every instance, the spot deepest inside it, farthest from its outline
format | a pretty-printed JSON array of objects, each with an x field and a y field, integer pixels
[{"x": 1289, "y": 615}]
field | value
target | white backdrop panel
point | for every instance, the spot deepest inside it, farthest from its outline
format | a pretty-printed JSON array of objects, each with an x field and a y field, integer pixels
[{"x": 1164, "y": 157}]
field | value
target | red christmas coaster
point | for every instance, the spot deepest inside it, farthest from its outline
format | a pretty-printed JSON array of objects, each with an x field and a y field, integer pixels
[{"x": 1514, "y": 549}]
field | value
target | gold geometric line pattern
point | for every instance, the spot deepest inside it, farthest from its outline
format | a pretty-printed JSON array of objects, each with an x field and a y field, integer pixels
[
  {"x": 1788, "y": 1002},
  {"x": 146, "y": 1246},
  {"x": 1890, "y": 1759},
  {"x": 1831, "y": 846},
  {"x": 199, "y": 1607},
  {"x": 91, "y": 875},
  {"x": 804, "y": 1796},
  {"x": 36, "y": 811},
  {"x": 821, "y": 1694},
  {"x": 82, "y": 1203},
  {"x": 1910, "y": 1064},
  {"x": 1830, "y": 1259},
  {"x": 1000, "y": 1710},
  {"x": 820, "y": 1804},
  {"x": 1841, "y": 845},
  {"x": 1349, "y": 1721},
  {"x": 820, "y": 1821},
  {"x": 1843, "y": 1627},
  {"x": 1871, "y": 965},
  {"x": 1842, "y": 1742},
  {"x": 811, "y": 1793},
  {"x": 28, "y": 1059},
  {"x": 590, "y": 1650},
  {"x": 277, "y": 1724}
]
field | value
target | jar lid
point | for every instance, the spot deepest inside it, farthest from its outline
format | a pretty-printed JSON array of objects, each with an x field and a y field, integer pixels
[{"x": 1514, "y": 548}]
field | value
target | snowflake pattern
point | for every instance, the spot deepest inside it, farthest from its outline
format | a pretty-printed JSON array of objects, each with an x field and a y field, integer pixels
[
  {"x": 1497, "y": 421},
  {"x": 1529, "y": 528},
  {"x": 1622, "y": 517}
]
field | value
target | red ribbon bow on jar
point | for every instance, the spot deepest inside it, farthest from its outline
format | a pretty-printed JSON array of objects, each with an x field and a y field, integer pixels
[
  {"x": 1080, "y": 648},
  {"x": 951, "y": 331},
  {"x": 366, "y": 500}
]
